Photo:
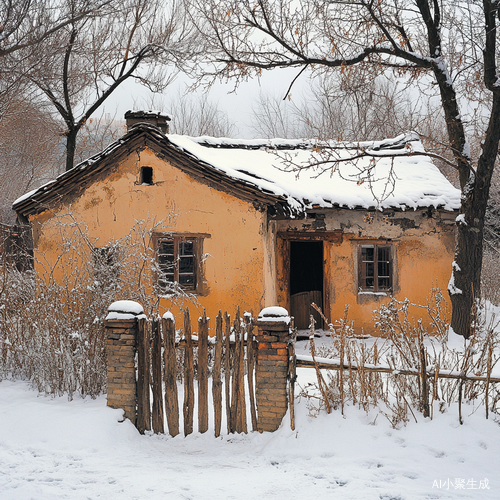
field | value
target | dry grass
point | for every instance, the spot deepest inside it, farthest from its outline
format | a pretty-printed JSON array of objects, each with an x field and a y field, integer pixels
[
  {"x": 400, "y": 373},
  {"x": 51, "y": 329}
]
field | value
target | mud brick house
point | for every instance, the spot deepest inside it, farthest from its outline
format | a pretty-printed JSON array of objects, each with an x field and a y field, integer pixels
[{"x": 241, "y": 222}]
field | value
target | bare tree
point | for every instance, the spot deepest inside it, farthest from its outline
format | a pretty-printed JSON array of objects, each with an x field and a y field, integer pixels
[
  {"x": 26, "y": 23},
  {"x": 275, "y": 117},
  {"x": 198, "y": 116},
  {"x": 30, "y": 152},
  {"x": 195, "y": 115},
  {"x": 341, "y": 109},
  {"x": 97, "y": 134},
  {"x": 92, "y": 56},
  {"x": 446, "y": 47}
]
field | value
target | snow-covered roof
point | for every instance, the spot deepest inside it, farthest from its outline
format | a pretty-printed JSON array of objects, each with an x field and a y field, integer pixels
[{"x": 394, "y": 173}]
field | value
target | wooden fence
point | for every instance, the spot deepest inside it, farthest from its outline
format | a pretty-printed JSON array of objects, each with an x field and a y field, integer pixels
[{"x": 229, "y": 359}]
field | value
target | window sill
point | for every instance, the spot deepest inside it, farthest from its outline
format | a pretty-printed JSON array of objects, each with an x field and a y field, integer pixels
[{"x": 371, "y": 298}]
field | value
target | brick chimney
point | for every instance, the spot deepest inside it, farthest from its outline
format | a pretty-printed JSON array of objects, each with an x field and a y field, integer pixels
[{"x": 150, "y": 117}]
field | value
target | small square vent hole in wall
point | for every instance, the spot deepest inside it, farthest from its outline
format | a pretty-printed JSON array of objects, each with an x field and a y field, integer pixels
[{"x": 146, "y": 176}]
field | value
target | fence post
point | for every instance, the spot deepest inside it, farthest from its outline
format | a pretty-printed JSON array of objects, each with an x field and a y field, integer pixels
[
  {"x": 273, "y": 334},
  {"x": 121, "y": 338}
]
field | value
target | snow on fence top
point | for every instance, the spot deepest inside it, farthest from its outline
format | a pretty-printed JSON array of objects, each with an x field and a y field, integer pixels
[
  {"x": 274, "y": 313},
  {"x": 125, "y": 309},
  {"x": 168, "y": 315}
]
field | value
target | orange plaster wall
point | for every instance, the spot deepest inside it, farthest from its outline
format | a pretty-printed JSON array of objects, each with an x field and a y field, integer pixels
[
  {"x": 176, "y": 203},
  {"x": 423, "y": 251},
  {"x": 245, "y": 263},
  {"x": 420, "y": 265}
]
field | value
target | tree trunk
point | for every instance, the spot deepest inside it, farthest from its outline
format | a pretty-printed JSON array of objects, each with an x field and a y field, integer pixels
[
  {"x": 465, "y": 283},
  {"x": 71, "y": 135}
]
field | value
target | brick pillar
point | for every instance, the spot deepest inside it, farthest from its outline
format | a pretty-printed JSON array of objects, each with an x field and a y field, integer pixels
[
  {"x": 120, "y": 345},
  {"x": 273, "y": 334}
]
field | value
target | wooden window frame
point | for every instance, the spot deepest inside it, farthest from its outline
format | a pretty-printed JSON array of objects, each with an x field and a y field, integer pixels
[
  {"x": 177, "y": 239},
  {"x": 363, "y": 275}
]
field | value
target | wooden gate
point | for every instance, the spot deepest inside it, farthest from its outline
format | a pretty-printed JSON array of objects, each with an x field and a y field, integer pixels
[{"x": 164, "y": 357}]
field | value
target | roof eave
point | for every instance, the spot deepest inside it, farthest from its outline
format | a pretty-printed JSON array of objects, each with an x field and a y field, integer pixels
[{"x": 141, "y": 137}]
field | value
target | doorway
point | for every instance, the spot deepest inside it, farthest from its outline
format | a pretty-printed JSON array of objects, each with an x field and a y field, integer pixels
[{"x": 306, "y": 281}]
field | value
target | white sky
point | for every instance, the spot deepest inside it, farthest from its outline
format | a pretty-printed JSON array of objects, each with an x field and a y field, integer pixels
[{"x": 236, "y": 103}]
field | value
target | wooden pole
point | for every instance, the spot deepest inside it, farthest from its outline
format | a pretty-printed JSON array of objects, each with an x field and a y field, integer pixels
[
  {"x": 188, "y": 410},
  {"x": 203, "y": 373},
  {"x": 143, "y": 375},
  {"x": 170, "y": 357},
  {"x": 488, "y": 375},
  {"x": 216, "y": 376},
  {"x": 241, "y": 411},
  {"x": 156, "y": 369},
  {"x": 423, "y": 377},
  {"x": 250, "y": 373},
  {"x": 236, "y": 379},
  {"x": 227, "y": 368},
  {"x": 302, "y": 363},
  {"x": 292, "y": 376}
]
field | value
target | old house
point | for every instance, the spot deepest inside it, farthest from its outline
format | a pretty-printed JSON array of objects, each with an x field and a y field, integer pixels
[{"x": 241, "y": 222}]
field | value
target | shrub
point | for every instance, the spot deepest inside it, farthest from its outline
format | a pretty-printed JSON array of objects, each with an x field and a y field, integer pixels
[{"x": 51, "y": 329}]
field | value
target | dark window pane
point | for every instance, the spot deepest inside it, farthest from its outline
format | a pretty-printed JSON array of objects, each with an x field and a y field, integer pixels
[
  {"x": 384, "y": 283},
  {"x": 383, "y": 269},
  {"x": 369, "y": 269},
  {"x": 186, "y": 280},
  {"x": 186, "y": 265},
  {"x": 166, "y": 248},
  {"x": 370, "y": 282},
  {"x": 367, "y": 254},
  {"x": 185, "y": 248},
  {"x": 383, "y": 253},
  {"x": 166, "y": 279},
  {"x": 166, "y": 260}
]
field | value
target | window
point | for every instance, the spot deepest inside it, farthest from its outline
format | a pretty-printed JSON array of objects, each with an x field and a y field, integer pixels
[
  {"x": 375, "y": 268},
  {"x": 106, "y": 265},
  {"x": 147, "y": 175},
  {"x": 177, "y": 262}
]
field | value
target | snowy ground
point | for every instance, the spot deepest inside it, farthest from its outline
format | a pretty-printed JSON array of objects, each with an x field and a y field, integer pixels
[{"x": 56, "y": 449}]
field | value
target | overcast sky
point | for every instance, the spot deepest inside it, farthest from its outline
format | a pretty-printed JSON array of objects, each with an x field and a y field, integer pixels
[{"x": 237, "y": 103}]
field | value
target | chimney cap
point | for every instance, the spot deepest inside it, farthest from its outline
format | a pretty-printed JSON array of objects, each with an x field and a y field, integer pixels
[{"x": 156, "y": 118}]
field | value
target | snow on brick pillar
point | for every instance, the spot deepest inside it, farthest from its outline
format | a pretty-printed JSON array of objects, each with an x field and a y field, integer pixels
[
  {"x": 121, "y": 338},
  {"x": 273, "y": 334}
]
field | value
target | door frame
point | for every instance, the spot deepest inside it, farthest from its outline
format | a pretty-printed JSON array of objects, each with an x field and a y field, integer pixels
[{"x": 284, "y": 238}]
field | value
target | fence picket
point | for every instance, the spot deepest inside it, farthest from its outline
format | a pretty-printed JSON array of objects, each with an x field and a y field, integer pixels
[
  {"x": 170, "y": 358},
  {"x": 216, "y": 376},
  {"x": 143, "y": 375},
  {"x": 235, "y": 378},
  {"x": 250, "y": 370},
  {"x": 241, "y": 413},
  {"x": 203, "y": 373},
  {"x": 227, "y": 369},
  {"x": 188, "y": 409},
  {"x": 156, "y": 369}
]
